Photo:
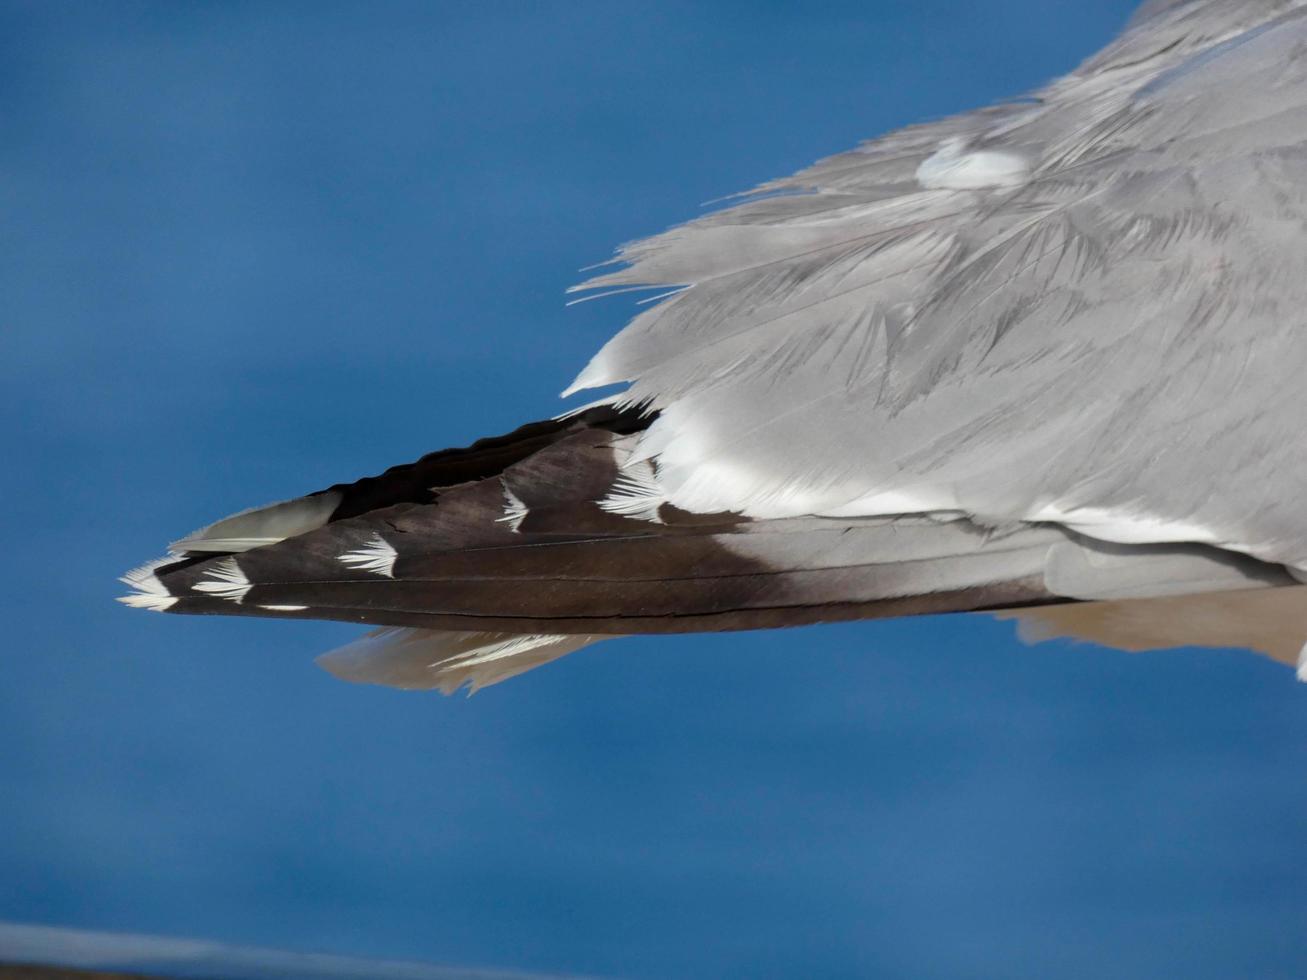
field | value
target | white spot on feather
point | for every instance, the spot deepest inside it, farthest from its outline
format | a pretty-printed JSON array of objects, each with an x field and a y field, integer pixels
[
  {"x": 1302, "y": 664},
  {"x": 514, "y": 510},
  {"x": 376, "y": 556},
  {"x": 150, "y": 592},
  {"x": 225, "y": 581},
  {"x": 955, "y": 168}
]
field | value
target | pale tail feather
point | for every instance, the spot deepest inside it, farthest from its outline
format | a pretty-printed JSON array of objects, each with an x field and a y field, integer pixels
[
  {"x": 420, "y": 659},
  {"x": 261, "y": 526}
]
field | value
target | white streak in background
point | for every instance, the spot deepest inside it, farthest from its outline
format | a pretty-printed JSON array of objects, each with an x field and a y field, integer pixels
[
  {"x": 420, "y": 659},
  {"x": 514, "y": 510},
  {"x": 284, "y": 608},
  {"x": 150, "y": 592},
  {"x": 1302, "y": 664},
  {"x": 121, "y": 952},
  {"x": 376, "y": 556},
  {"x": 955, "y": 168},
  {"x": 226, "y": 581},
  {"x": 636, "y": 493}
]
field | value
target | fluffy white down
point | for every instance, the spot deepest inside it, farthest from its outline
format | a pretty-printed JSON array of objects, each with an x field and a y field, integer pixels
[{"x": 956, "y": 168}]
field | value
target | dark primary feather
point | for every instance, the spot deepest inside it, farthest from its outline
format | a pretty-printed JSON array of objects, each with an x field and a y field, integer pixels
[{"x": 569, "y": 565}]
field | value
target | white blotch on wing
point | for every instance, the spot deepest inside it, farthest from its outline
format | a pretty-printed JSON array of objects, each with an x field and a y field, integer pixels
[
  {"x": 515, "y": 510},
  {"x": 955, "y": 168},
  {"x": 150, "y": 592},
  {"x": 226, "y": 581},
  {"x": 376, "y": 556}
]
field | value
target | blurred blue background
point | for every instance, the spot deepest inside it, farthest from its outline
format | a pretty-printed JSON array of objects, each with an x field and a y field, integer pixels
[{"x": 250, "y": 249}]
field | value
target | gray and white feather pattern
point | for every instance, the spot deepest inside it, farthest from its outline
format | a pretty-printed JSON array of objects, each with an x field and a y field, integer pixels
[
  {"x": 1022, "y": 350},
  {"x": 376, "y": 556},
  {"x": 226, "y": 580},
  {"x": 1046, "y": 356}
]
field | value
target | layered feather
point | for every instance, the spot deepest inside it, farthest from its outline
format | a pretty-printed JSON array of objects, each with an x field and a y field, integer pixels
[
  {"x": 1044, "y": 356},
  {"x": 1110, "y": 342},
  {"x": 481, "y": 598}
]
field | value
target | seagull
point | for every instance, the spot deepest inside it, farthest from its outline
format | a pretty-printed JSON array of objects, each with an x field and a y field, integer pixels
[{"x": 1045, "y": 360}]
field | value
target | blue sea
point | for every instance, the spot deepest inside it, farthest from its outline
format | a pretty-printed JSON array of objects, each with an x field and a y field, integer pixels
[{"x": 252, "y": 249}]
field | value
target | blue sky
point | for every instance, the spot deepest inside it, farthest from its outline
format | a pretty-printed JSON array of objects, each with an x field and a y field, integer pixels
[{"x": 253, "y": 249}]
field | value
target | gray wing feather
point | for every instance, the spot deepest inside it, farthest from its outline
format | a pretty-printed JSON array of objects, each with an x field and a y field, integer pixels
[{"x": 1114, "y": 344}]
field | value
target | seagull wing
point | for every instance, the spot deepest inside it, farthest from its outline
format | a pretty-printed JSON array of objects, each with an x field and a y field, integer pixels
[{"x": 1041, "y": 352}]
